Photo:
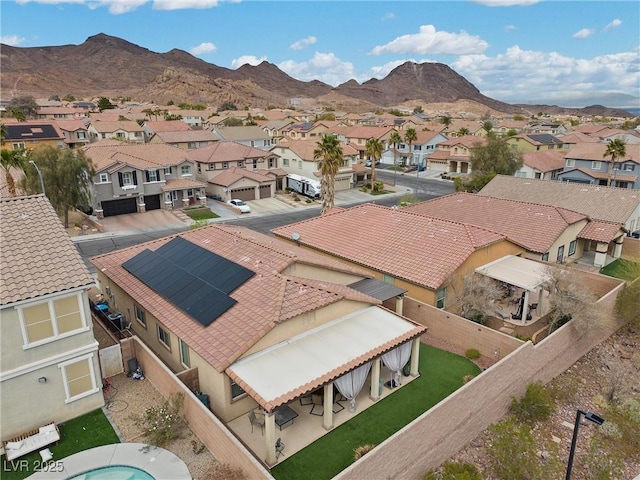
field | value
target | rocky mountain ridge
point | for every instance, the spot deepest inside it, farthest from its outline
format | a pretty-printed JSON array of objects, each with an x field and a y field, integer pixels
[{"x": 109, "y": 66}]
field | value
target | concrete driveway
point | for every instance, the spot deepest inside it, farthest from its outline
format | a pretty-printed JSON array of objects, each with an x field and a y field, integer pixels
[{"x": 148, "y": 221}]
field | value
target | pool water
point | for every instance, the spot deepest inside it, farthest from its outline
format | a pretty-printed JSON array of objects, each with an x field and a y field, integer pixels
[{"x": 114, "y": 472}]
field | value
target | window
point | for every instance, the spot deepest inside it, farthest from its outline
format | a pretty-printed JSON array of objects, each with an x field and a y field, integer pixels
[
  {"x": 300, "y": 165},
  {"x": 202, "y": 144},
  {"x": 560, "y": 256},
  {"x": 440, "y": 294},
  {"x": 236, "y": 391},
  {"x": 104, "y": 178},
  {"x": 271, "y": 163},
  {"x": 545, "y": 257},
  {"x": 387, "y": 278},
  {"x": 47, "y": 321},
  {"x": 199, "y": 167},
  {"x": 255, "y": 164},
  {"x": 126, "y": 179},
  {"x": 285, "y": 162},
  {"x": 596, "y": 165},
  {"x": 79, "y": 378},
  {"x": 184, "y": 354},
  {"x": 240, "y": 164},
  {"x": 18, "y": 146},
  {"x": 153, "y": 175},
  {"x": 164, "y": 337},
  {"x": 185, "y": 170},
  {"x": 167, "y": 171},
  {"x": 120, "y": 135},
  {"x": 225, "y": 165},
  {"x": 571, "y": 162},
  {"x": 191, "y": 145},
  {"x": 629, "y": 167},
  {"x": 140, "y": 315},
  {"x": 572, "y": 247},
  {"x": 81, "y": 135}
]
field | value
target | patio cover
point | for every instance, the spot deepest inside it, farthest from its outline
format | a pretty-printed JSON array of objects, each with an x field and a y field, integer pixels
[
  {"x": 516, "y": 271},
  {"x": 377, "y": 289},
  {"x": 279, "y": 374}
]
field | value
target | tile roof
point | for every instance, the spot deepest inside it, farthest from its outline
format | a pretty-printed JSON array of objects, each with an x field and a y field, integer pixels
[
  {"x": 232, "y": 175},
  {"x": 38, "y": 257},
  {"x": 183, "y": 136},
  {"x": 237, "y": 134},
  {"x": 595, "y": 151},
  {"x": 305, "y": 148},
  {"x": 544, "y": 160},
  {"x": 113, "y": 155},
  {"x": 30, "y": 131},
  {"x": 385, "y": 239},
  {"x": 603, "y": 232},
  {"x": 602, "y": 175},
  {"x": 609, "y": 204},
  {"x": 71, "y": 125},
  {"x": 226, "y": 152},
  {"x": 180, "y": 184},
  {"x": 535, "y": 227},
  {"x": 167, "y": 126},
  {"x": 110, "y": 127},
  {"x": 268, "y": 298}
]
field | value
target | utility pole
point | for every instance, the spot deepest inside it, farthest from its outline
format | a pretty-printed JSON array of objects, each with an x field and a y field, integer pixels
[{"x": 40, "y": 175}]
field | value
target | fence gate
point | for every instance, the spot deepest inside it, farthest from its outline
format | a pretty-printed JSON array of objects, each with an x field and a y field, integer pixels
[{"x": 111, "y": 361}]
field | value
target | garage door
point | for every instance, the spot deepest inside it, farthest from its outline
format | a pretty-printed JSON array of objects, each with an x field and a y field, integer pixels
[
  {"x": 119, "y": 207},
  {"x": 152, "y": 202},
  {"x": 265, "y": 191},
  {"x": 248, "y": 193},
  {"x": 342, "y": 183}
]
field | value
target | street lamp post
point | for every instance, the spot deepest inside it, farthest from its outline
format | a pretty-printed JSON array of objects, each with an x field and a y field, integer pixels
[
  {"x": 40, "y": 175},
  {"x": 592, "y": 417}
]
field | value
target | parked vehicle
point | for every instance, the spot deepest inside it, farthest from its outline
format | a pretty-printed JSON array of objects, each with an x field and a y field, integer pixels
[
  {"x": 303, "y": 185},
  {"x": 635, "y": 234},
  {"x": 368, "y": 163},
  {"x": 240, "y": 205}
]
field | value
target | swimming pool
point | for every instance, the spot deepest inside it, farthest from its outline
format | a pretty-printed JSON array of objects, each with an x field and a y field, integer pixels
[{"x": 114, "y": 472}]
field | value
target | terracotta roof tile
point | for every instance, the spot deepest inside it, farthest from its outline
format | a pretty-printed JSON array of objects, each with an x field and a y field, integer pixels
[
  {"x": 167, "y": 126},
  {"x": 112, "y": 155},
  {"x": 545, "y": 160},
  {"x": 182, "y": 136},
  {"x": 37, "y": 256},
  {"x": 535, "y": 227},
  {"x": 181, "y": 183},
  {"x": 227, "y": 152},
  {"x": 385, "y": 240},
  {"x": 603, "y": 232}
]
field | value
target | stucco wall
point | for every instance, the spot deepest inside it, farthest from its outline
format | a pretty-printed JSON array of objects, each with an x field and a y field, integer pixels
[
  {"x": 454, "y": 422},
  {"x": 631, "y": 249}
]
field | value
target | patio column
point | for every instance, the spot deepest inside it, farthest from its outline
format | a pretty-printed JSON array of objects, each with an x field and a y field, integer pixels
[
  {"x": 327, "y": 418},
  {"x": 601, "y": 255},
  {"x": 525, "y": 307},
  {"x": 399, "y": 304},
  {"x": 617, "y": 249},
  {"x": 374, "y": 392},
  {"x": 415, "y": 356},
  {"x": 270, "y": 437}
]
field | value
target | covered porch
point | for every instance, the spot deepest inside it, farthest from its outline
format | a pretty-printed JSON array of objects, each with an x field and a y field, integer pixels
[
  {"x": 180, "y": 193},
  {"x": 322, "y": 378}
]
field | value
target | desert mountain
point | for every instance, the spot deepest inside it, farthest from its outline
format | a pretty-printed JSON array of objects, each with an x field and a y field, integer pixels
[{"x": 109, "y": 66}]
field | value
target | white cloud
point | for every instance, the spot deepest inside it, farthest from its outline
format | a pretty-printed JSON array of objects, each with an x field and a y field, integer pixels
[
  {"x": 506, "y": 3},
  {"x": 118, "y": 7},
  {"x": 244, "y": 59},
  {"x": 509, "y": 28},
  {"x": 325, "y": 67},
  {"x": 183, "y": 4},
  {"x": 430, "y": 41},
  {"x": 613, "y": 24},
  {"x": 388, "y": 16},
  {"x": 584, "y": 33},
  {"x": 13, "y": 40},
  {"x": 517, "y": 73},
  {"x": 303, "y": 43},
  {"x": 204, "y": 47}
]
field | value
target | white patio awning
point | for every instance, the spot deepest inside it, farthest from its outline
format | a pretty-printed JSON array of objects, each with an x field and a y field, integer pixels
[
  {"x": 280, "y": 373},
  {"x": 516, "y": 271}
]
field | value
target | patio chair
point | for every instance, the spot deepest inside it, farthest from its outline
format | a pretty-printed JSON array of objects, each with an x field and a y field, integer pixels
[
  {"x": 532, "y": 307},
  {"x": 279, "y": 447},
  {"x": 318, "y": 404},
  {"x": 46, "y": 455},
  {"x": 306, "y": 400},
  {"x": 256, "y": 421}
]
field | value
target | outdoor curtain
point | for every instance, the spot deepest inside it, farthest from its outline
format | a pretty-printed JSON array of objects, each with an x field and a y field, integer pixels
[
  {"x": 396, "y": 359},
  {"x": 351, "y": 383}
]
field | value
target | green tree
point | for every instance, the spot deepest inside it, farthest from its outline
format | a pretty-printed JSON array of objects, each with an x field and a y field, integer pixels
[
  {"x": 487, "y": 126},
  {"x": 445, "y": 120},
  {"x": 23, "y": 108},
  {"x": 329, "y": 153},
  {"x": 410, "y": 136},
  {"x": 250, "y": 122},
  {"x": 232, "y": 122},
  {"x": 11, "y": 159},
  {"x": 227, "y": 106},
  {"x": 67, "y": 175},
  {"x": 463, "y": 131},
  {"x": 68, "y": 98},
  {"x": 616, "y": 149},
  {"x": 105, "y": 104},
  {"x": 518, "y": 118},
  {"x": 496, "y": 157},
  {"x": 373, "y": 149},
  {"x": 418, "y": 109}
]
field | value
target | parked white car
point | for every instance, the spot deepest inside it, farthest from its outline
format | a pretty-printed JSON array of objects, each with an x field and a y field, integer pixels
[{"x": 240, "y": 205}]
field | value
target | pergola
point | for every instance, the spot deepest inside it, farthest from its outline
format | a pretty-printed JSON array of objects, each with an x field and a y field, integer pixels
[
  {"x": 315, "y": 358},
  {"x": 519, "y": 272}
]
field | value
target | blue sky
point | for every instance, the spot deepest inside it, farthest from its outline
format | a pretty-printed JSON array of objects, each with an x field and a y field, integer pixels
[{"x": 570, "y": 53}]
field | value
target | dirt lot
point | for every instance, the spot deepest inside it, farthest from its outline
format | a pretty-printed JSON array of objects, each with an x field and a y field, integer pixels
[{"x": 614, "y": 364}]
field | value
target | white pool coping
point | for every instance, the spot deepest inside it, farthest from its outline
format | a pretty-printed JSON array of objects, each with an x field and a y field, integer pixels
[{"x": 157, "y": 462}]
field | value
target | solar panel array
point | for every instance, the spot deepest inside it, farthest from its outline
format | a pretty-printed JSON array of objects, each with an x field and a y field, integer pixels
[{"x": 192, "y": 278}]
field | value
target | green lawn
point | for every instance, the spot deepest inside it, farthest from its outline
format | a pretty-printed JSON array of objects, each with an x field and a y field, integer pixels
[
  {"x": 622, "y": 269},
  {"x": 441, "y": 373},
  {"x": 201, "y": 215},
  {"x": 82, "y": 433}
]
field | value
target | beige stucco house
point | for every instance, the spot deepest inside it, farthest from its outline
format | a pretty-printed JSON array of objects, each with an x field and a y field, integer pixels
[
  {"x": 251, "y": 307},
  {"x": 49, "y": 370}
]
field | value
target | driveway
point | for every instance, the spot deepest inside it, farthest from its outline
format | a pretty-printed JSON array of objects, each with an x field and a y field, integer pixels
[{"x": 142, "y": 222}]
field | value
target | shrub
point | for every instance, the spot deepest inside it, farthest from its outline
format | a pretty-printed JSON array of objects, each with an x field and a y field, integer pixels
[
  {"x": 472, "y": 354},
  {"x": 455, "y": 471},
  {"x": 160, "y": 423},
  {"x": 362, "y": 450},
  {"x": 524, "y": 338},
  {"x": 223, "y": 471},
  {"x": 468, "y": 378},
  {"x": 512, "y": 451},
  {"x": 536, "y": 404}
]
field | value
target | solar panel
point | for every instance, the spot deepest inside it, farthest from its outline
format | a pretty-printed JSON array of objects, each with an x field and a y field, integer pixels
[{"x": 192, "y": 278}]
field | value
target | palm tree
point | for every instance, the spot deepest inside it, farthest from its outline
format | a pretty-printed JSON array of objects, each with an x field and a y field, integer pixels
[
  {"x": 463, "y": 131},
  {"x": 329, "y": 152},
  {"x": 395, "y": 139},
  {"x": 373, "y": 149},
  {"x": 11, "y": 159},
  {"x": 445, "y": 120},
  {"x": 410, "y": 136},
  {"x": 616, "y": 149}
]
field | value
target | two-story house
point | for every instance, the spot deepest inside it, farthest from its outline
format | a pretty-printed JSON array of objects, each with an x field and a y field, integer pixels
[
  {"x": 134, "y": 178},
  {"x": 123, "y": 131},
  {"x": 357, "y": 137},
  {"x": 76, "y": 133},
  {"x": 276, "y": 128},
  {"x": 454, "y": 155},
  {"x": 153, "y": 126},
  {"x": 426, "y": 143},
  {"x": 185, "y": 140},
  {"x": 251, "y": 136},
  {"x": 587, "y": 163},
  {"x": 543, "y": 164},
  {"x": 31, "y": 134},
  {"x": 297, "y": 156},
  {"x": 61, "y": 113},
  {"x": 534, "y": 142},
  {"x": 49, "y": 370}
]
